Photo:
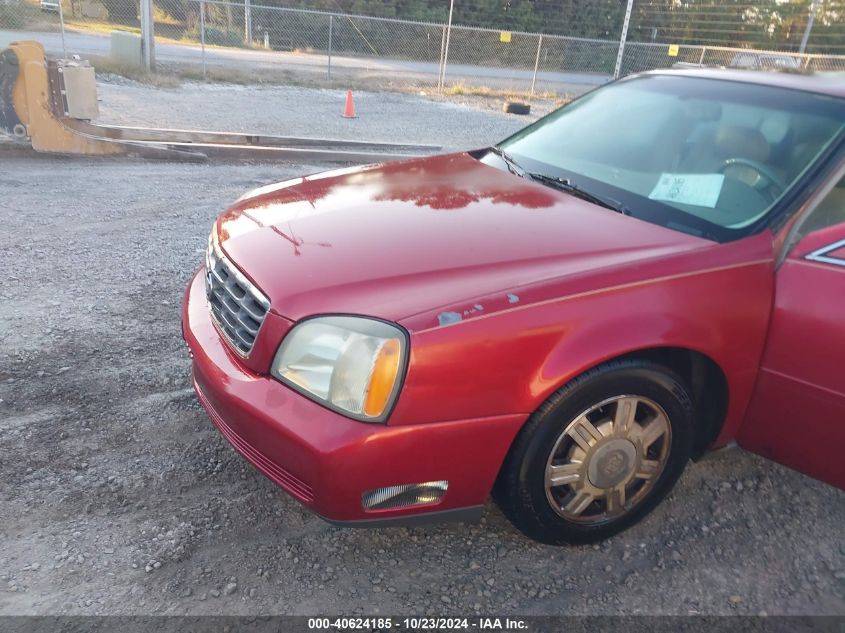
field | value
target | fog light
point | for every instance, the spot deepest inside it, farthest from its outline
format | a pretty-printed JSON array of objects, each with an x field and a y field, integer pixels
[{"x": 404, "y": 496}]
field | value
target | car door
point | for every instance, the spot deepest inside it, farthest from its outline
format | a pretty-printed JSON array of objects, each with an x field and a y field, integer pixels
[{"x": 797, "y": 412}]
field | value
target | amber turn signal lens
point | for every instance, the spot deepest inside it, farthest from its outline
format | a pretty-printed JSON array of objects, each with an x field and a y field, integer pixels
[{"x": 383, "y": 378}]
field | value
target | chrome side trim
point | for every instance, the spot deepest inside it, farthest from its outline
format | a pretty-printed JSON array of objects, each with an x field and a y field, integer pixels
[{"x": 820, "y": 255}]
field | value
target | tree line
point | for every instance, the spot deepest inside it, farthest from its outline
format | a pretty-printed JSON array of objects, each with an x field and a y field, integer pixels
[
  {"x": 765, "y": 23},
  {"x": 775, "y": 24}
]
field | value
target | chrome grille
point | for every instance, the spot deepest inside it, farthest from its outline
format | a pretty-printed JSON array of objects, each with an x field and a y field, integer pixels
[{"x": 237, "y": 306}]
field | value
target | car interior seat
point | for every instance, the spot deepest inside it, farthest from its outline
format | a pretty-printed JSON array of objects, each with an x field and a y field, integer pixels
[{"x": 725, "y": 142}]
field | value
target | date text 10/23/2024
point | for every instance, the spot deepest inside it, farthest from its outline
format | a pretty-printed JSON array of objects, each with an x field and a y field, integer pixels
[{"x": 417, "y": 624}]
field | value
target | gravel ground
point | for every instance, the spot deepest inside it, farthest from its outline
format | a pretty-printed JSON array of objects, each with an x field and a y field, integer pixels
[
  {"x": 117, "y": 496},
  {"x": 461, "y": 122}
]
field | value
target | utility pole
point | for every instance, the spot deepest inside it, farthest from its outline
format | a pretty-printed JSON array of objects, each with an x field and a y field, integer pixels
[
  {"x": 148, "y": 35},
  {"x": 813, "y": 9},
  {"x": 622, "y": 40},
  {"x": 446, "y": 50}
]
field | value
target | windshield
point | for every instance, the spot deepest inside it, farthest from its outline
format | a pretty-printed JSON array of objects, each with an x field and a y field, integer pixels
[{"x": 706, "y": 156}]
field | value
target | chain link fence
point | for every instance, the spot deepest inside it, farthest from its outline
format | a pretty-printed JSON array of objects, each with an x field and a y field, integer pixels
[
  {"x": 29, "y": 15},
  {"x": 639, "y": 57},
  {"x": 245, "y": 37}
]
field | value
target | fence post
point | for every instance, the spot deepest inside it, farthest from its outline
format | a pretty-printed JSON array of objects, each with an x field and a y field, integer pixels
[
  {"x": 701, "y": 58},
  {"x": 446, "y": 47},
  {"x": 148, "y": 35},
  {"x": 442, "y": 51},
  {"x": 331, "y": 30},
  {"x": 248, "y": 22},
  {"x": 202, "y": 35},
  {"x": 622, "y": 39},
  {"x": 536, "y": 66},
  {"x": 62, "y": 23},
  {"x": 812, "y": 18}
]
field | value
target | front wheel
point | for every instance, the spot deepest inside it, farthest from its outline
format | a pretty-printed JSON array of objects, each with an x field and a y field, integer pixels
[{"x": 599, "y": 454}]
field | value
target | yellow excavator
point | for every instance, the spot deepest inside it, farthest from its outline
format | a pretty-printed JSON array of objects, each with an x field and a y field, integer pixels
[{"x": 48, "y": 104}]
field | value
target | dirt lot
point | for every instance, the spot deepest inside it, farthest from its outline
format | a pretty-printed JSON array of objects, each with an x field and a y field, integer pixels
[{"x": 118, "y": 496}]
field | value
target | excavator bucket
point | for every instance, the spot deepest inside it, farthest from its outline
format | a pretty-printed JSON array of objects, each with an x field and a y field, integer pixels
[{"x": 32, "y": 104}]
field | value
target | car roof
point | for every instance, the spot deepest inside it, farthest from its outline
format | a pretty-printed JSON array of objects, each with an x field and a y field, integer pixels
[{"x": 830, "y": 83}]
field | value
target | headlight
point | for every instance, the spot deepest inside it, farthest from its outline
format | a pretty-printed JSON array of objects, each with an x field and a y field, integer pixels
[{"x": 351, "y": 364}]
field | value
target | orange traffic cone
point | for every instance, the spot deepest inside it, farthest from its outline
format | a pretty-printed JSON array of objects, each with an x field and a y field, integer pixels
[{"x": 349, "y": 110}]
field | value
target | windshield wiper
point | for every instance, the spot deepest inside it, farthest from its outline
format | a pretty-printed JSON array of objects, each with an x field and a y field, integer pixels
[
  {"x": 513, "y": 167},
  {"x": 564, "y": 184},
  {"x": 561, "y": 184}
]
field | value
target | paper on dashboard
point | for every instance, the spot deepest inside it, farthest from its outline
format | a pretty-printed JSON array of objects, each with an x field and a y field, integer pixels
[{"x": 701, "y": 190}]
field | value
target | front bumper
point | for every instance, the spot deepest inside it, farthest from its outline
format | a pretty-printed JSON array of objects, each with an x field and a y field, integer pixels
[{"x": 325, "y": 460}]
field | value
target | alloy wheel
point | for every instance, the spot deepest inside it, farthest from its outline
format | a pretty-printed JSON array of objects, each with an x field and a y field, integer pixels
[{"x": 607, "y": 459}]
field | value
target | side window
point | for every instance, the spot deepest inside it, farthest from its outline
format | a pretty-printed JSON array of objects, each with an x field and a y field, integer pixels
[{"x": 830, "y": 211}]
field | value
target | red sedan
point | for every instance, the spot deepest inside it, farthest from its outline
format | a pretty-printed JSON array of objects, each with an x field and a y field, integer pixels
[{"x": 564, "y": 319}]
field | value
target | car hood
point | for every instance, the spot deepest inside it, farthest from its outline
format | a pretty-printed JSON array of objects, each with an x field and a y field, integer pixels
[{"x": 425, "y": 235}]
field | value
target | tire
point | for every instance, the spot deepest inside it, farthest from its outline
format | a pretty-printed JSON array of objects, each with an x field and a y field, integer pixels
[
  {"x": 517, "y": 108},
  {"x": 550, "y": 445}
]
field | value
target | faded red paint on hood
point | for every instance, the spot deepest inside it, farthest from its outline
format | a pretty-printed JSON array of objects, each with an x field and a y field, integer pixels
[{"x": 400, "y": 239}]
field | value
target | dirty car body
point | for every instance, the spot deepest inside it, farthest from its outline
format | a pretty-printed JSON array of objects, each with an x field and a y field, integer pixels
[{"x": 564, "y": 320}]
